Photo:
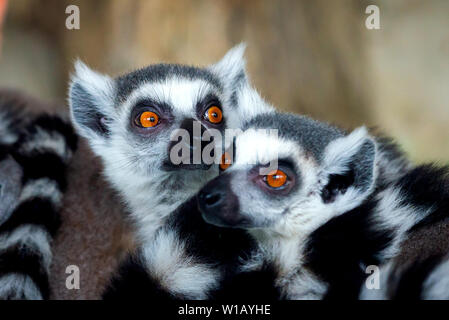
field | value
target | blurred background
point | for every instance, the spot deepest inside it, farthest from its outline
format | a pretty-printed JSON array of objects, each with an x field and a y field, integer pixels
[{"x": 310, "y": 57}]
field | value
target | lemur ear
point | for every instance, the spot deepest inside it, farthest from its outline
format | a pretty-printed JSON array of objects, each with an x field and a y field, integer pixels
[
  {"x": 231, "y": 68},
  {"x": 349, "y": 168},
  {"x": 91, "y": 98}
]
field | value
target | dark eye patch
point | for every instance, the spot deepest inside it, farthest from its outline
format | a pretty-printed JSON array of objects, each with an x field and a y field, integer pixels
[
  {"x": 205, "y": 103},
  {"x": 288, "y": 167},
  {"x": 163, "y": 111},
  {"x": 160, "y": 107}
]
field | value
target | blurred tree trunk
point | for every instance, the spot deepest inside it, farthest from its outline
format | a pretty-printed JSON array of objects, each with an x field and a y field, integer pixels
[{"x": 300, "y": 55}]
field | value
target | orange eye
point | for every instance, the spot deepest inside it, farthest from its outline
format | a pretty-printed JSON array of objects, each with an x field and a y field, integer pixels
[
  {"x": 214, "y": 114},
  {"x": 148, "y": 119},
  {"x": 225, "y": 161},
  {"x": 276, "y": 179}
]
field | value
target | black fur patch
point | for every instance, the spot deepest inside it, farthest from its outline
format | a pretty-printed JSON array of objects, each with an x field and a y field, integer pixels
[
  {"x": 23, "y": 260},
  {"x": 336, "y": 250},
  {"x": 427, "y": 187},
  {"x": 256, "y": 286},
  {"x": 42, "y": 165},
  {"x": 338, "y": 184},
  {"x": 410, "y": 283},
  {"x": 132, "y": 282},
  {"x": 4, "y": 151},
  {"x": 36, "y": 211},
  {"x": 209, "y": 243}
]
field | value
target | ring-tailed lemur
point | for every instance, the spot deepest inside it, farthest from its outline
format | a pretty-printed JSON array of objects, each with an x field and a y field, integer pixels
[
  {"x": 186, "y": 258},
  {"x": 33, "y": 159},
  {"x": 129, "y": 120},
  {"x": 324, "y": 214}
]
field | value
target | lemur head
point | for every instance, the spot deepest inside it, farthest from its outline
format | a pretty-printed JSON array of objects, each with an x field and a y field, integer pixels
[
  {"x": 316, "y": 171},
  {"x": 137, "y": 122}
]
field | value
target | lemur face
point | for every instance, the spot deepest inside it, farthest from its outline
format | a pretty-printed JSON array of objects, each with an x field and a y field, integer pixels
[
  {"x": 320, "y": 173},
  {"x": 134, "y": 122}
]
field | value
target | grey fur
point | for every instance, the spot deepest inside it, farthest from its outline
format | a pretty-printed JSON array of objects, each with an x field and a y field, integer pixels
[
  {"x": 313, "y": 135},
  {"x": 89, "y": 115},
  {"x": 363, "y": 164},
  {"x": 238, "y": 83}
]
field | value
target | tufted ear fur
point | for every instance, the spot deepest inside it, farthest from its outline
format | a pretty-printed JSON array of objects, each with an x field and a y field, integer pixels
[
  {"x": 91, "y": 99},
  {"x": 231, "y": 68},
  {"x": 241, "y": 96},
  {"x": 349, "y": 169}
]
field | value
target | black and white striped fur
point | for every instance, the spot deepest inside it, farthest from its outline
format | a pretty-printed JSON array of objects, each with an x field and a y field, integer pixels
[
  {"x": 424, "y": 279},
  {"x": 338, "y": 215},
  {"x": 187, "y": 259},
  {"x": 40, "y": 152}
]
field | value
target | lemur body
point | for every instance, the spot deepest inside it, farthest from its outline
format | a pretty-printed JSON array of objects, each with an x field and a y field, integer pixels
[
  {"x": 333, "y": 213},
  {"x": 108, "y": 112},
  {"x": 186, "y": 258},
  {"x": 33, "y": 158}
]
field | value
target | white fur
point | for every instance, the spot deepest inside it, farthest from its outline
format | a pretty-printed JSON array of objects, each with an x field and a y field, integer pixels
[
  {"x": 44, "y": 140},
  {"x": 340, "y": 151},
  {"x": 305, "y": 286},
  {"x": 286, "y": 254},
  {"x": 15, "y": 286},
  {"x": 42, "y": 188},
  {"x": 390, "y": 214},
  {"x": 181, "y": 94},
  {"x": 260, "y": 146},
  {"x": 33, "y": 237},
  {"x": 7, "y": 136},
  {"x": 436, "y": 286},
  {"x": 177, "y": 272},
  {"x": 231, "y": 64}
]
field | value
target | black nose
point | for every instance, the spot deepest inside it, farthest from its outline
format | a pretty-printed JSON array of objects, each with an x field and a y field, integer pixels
[
  {"x": 210, "y": 199},
  {"x": 193, "y": 143},
  {"x": 195, "y": 134},
  {"x": 219, "y": 205}
]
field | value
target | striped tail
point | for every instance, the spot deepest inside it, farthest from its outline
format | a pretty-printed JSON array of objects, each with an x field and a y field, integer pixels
[
  {"x": 10, "y": 170},
  {"x": 10, "y": 121},
  {"x": 42, "y": 151}
]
